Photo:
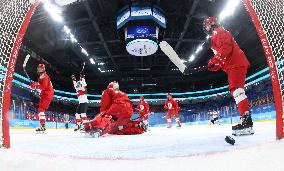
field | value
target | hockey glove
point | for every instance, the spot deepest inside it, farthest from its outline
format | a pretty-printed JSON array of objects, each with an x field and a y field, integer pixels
[
  {"x": 213, "y": 65},
  {"x": 73, "y": 77},
  {"x": 34, "y": 85}
]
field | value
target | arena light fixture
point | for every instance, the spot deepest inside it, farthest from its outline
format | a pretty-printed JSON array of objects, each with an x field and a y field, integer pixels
[
  {"x": 101, "y": 70},
  {"x": 200, "y": 47},
  {"x": 229, "y": 9},
  {"x": 73, "y": 39},
  {"x": 64, "y": 2},
  {"x": 67, "y": 29},
  {"x": 84, "y": 51},
  {"x": 53, "y": 10},
  {"x": 92, "y": 61},
  {"x": 101, "y": 63},
  {"x": 192, "y": 57}
]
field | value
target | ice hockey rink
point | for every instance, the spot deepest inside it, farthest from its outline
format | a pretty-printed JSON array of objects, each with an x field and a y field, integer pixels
[{"x": 199, "y": 147}]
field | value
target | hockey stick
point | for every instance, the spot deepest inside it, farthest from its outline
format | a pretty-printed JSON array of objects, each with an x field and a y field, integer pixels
[
  {"x": 140, "y": 116},
  {"x": 24, "y": 66},
  {"x": 171, "y": 53},
  {"x": 83, "y": 68}
]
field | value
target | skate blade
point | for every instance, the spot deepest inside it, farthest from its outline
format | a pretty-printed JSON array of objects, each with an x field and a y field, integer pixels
[
  {"x": 92, "y": 135},
  {"x": 82, "y": 131},
  {"x": 40, "y": 132},
  {"x": 243, "y": 132}
]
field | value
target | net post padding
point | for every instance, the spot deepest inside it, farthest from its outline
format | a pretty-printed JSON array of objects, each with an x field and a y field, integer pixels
[
  {"x": 272, "y": 69},
  {"x": 10, "y": 73}
]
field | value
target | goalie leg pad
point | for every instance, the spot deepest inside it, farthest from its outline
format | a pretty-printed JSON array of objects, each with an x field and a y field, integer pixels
[{"x": 96, "y": 133}]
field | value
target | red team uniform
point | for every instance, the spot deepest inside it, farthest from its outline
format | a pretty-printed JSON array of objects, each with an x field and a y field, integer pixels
[
  {"x": 232, "y": 60},
  {"x": 46, "y": 94},
  {"x": 172, "y": 106},
  {"x": 143, "y": 110},
  {"x": 115, "y": 113}
]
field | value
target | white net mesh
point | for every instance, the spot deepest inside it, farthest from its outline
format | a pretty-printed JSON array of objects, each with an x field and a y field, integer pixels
[
  {"x": 270, "y": 13},
  {"x": 12, "y": 14}
]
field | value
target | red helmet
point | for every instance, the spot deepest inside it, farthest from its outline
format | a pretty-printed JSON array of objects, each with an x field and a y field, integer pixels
[
  {"x": 41, "y": 68},
  {"x": 110, "y": 85},
  {"x": 169, "y": 95},
  {"x": 113, "y": 85},
  {"x": 141, "y": 97},
  {"x": 210, "y": 20},
  {"x": 210, "y": 23}
]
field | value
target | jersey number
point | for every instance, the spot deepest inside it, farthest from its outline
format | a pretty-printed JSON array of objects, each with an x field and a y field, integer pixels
[
  {"x": 141, "y": 107},
  {"x": 170, "y": 105}
]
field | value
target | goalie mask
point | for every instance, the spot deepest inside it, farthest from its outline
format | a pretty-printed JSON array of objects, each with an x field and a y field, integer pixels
[
  {"x": 40, "y": 69},
  {"x": 210, "y": 24}
]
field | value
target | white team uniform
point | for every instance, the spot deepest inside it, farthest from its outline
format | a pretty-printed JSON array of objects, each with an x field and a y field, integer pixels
[
  {"x": 81, "y": 111},
  {"x": 81, "y": 91}
]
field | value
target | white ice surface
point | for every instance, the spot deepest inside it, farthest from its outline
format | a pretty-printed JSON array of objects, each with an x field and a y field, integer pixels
[{"x": 200, "y": 147}]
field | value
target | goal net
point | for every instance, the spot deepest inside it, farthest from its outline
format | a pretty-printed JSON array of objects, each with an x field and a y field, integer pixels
[
  {"x": 268, "y": 18},
  {"x": 15, "y": 15},
  {"x": 14, "y": 19}
]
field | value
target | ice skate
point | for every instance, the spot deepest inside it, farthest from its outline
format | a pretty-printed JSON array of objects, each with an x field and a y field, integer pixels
[
  {"x": 245, "y": 127},
  {"x": 82, "y": 130},
  {"x": 147, "y": 128},
  {"x": 41, "y": 129},
  {"x": 169, "y": 125},
  {"x": 77, "y": 128},
  {"x": 94, "y": 133},
  {"x": 143, "y": 126}
]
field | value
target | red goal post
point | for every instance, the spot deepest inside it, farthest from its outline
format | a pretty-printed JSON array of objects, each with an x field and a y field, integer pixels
[
  {"x": 268, "y": 19},
  {"x": 15, "y": 15}
]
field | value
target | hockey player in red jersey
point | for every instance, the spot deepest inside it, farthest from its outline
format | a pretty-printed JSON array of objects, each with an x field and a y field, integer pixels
[
  {"x": 143, "y": 111},
  {"x": 81, "y": 111},
  {"x": 232, "y": 60},
  {"x": 46, "y": 94},
  {"x": 115, "y": 113},
  {"x": 172, "y": 106}
]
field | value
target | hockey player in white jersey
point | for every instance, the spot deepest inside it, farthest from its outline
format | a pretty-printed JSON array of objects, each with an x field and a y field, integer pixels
[{"x": 81, "y": 111}]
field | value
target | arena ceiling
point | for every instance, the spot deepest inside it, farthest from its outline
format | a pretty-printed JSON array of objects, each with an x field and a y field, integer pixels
[{"x": 93, "y": 23}]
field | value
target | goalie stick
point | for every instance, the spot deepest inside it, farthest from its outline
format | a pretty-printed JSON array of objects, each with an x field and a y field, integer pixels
[
  {"x": 142, "y": 116},
  {"x": 170, "y": 52}
]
